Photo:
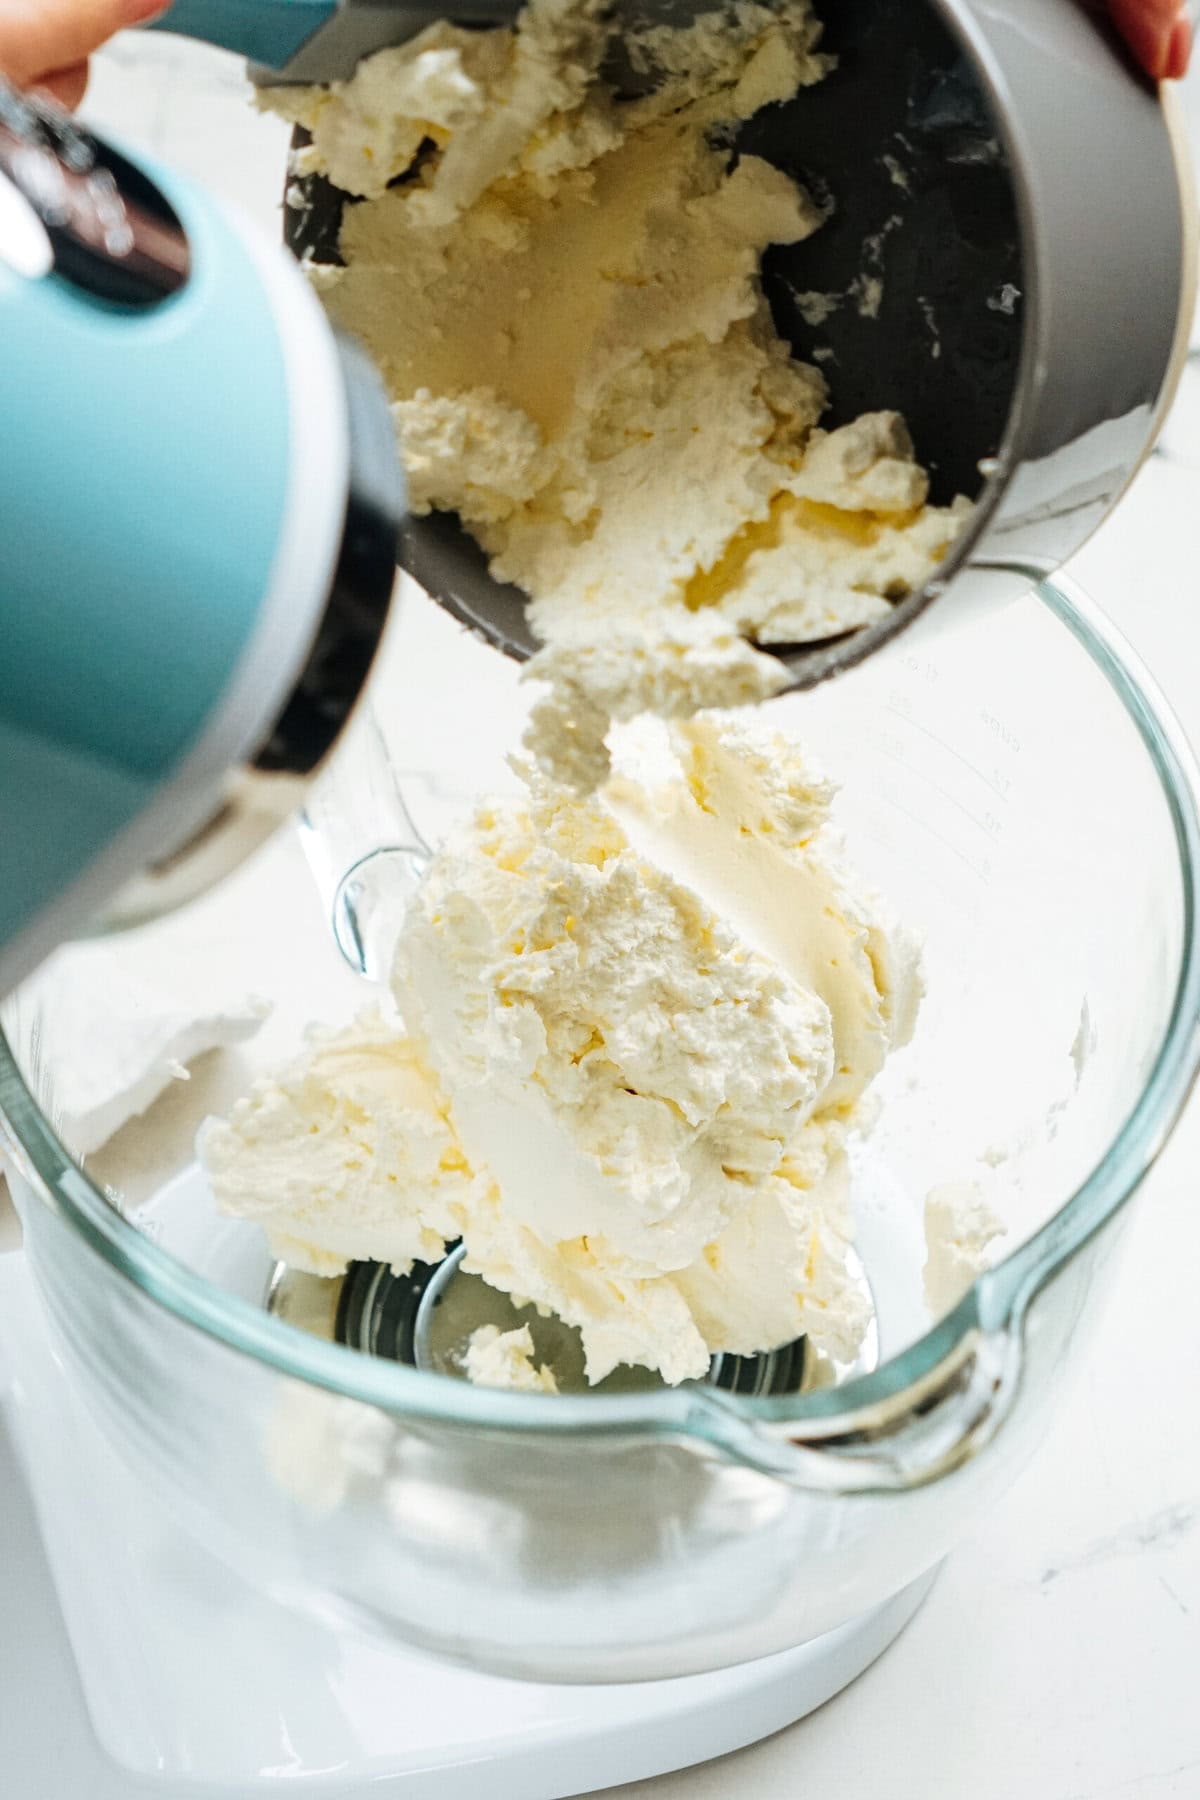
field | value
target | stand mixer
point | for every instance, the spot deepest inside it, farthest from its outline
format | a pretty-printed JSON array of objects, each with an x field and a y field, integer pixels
[
  {"x": 188, "y": 625},
  {"x": 717, "y": 1712}
]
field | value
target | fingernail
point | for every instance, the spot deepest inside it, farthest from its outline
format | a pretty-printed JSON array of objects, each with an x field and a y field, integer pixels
[
  {"x": 144, "y": 12},
  {"x": 1179, "y": 49}
]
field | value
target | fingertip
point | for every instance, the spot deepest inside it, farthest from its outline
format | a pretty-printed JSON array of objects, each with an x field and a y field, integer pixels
[
  {"x": 143, "y": 12},
  {"x": 1179, "y": 50},
  {"x": 1155, "y": 31},
  {"x": 66, "y": 86}
]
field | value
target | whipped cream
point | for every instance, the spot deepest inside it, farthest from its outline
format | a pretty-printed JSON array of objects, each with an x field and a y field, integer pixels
[
  {"x": 960, "y": 1229},
  {"x": 504, "y": 1359},
  {"x": 564, "y": 296},
  {"x": 641, "y": 1011},
  {"x": 633, "y": 1111},
  {"x": 348, "y": 1153}
]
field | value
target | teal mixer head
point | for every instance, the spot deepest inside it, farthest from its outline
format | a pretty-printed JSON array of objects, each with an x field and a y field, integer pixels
[
  {"x": 201, "y": 500},
  {"x": 318, "y": 40}
]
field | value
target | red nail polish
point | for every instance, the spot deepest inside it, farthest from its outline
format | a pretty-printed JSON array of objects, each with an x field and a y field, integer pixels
[{"x": 1179, "y": 49}]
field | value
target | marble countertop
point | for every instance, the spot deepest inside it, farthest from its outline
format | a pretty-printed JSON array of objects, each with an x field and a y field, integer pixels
[{"x": 1059, "y": 1654}]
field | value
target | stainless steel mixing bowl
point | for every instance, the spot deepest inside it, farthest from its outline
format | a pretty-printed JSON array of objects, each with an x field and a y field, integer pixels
[{"x": 1023, "y": 199}]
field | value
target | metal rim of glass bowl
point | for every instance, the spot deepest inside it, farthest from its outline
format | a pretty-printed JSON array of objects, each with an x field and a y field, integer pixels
[{"x": 694, "y": 1409}]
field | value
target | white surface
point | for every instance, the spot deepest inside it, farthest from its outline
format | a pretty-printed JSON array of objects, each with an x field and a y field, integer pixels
[
  {"x": 1058, "y": 1657},
  {"x": 215, "y": 1682}
]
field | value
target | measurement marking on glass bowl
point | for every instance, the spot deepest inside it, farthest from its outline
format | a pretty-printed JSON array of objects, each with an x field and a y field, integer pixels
[
  {"x": 991, "y": 827},
  {"x": 1000, "y": 730},
  {"x": 1001, "y": 793},
  {"x": 981, "y": 871}
]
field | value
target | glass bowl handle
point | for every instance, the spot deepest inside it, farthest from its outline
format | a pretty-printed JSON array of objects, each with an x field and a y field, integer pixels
[
  {"x": 1002, "y": 1351},
  {"x": 906, "y": 1439},
  {"x": 363, "y": 849}
]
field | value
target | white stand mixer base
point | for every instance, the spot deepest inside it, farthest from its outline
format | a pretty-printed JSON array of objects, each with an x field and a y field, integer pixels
[{"x": 190, "y": 1676}]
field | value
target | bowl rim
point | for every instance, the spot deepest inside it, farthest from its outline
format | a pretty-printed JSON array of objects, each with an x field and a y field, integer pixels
[{"x": 997, "y": 1298}]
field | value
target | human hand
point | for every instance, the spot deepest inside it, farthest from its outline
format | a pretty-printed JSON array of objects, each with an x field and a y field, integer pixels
[
  {"x": 1159, "y": 32},
  {"x": 46, "y": 43}
]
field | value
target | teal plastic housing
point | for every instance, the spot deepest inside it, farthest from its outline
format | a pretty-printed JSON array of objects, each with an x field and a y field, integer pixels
[
  {"x": 264, "y": 31},
  {"x": 144, "y": 472}
]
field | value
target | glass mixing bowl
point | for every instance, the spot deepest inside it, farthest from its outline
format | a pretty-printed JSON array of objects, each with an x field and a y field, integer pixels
[{"x": 1017, "y": 788}]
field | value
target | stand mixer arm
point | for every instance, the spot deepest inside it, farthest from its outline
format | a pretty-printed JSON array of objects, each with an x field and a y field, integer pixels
[
  {"x": 202, "y": 501},
  {"x": 270, "y": 32},
  {"x": 317, "y": 40}
]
